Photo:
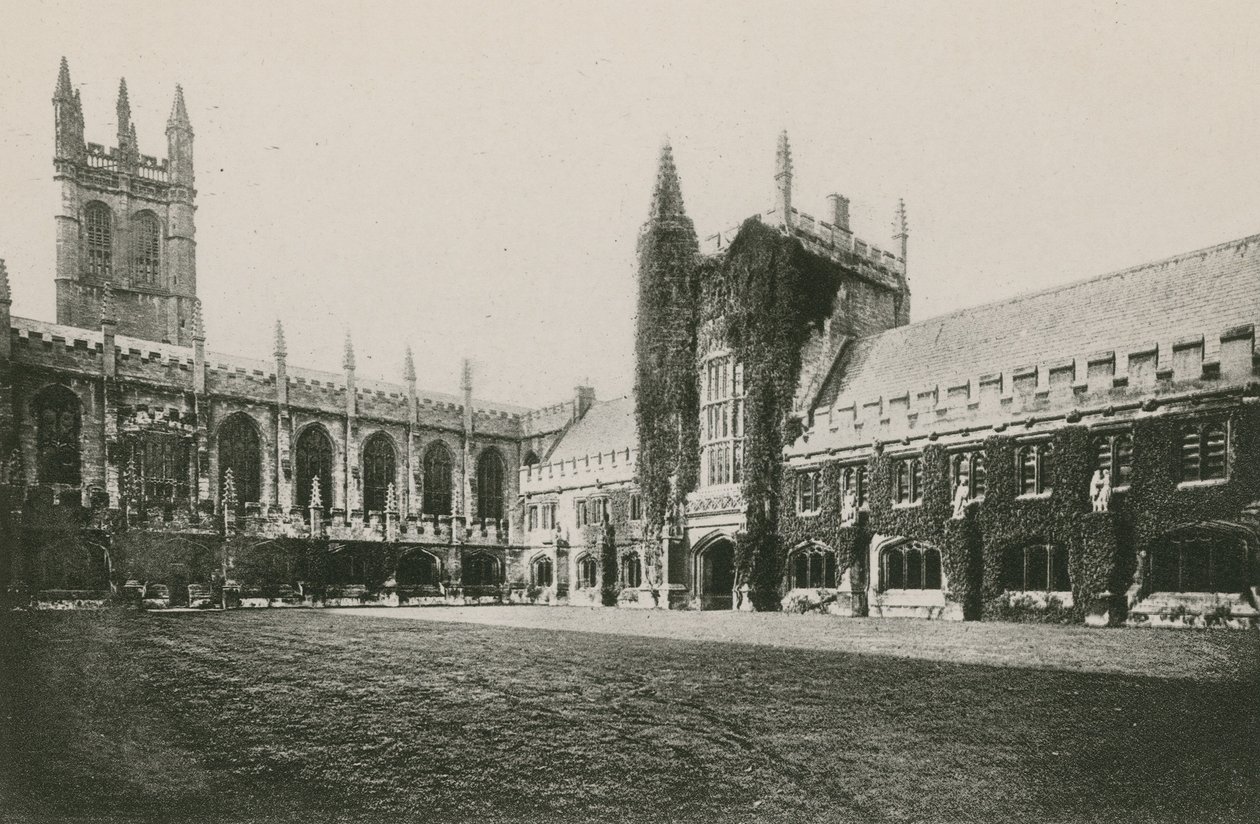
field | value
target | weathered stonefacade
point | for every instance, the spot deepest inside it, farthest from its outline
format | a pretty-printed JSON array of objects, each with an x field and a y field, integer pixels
[{"x": 1090, "y": 452}]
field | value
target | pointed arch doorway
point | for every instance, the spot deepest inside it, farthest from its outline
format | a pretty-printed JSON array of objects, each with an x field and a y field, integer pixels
[{"x": 713, "y": 573}]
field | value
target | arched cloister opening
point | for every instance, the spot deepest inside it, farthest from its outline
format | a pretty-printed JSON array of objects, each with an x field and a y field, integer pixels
[{"x": 714, "y": 573}]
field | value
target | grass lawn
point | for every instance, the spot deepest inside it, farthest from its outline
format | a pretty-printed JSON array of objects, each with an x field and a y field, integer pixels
[{"x": 350, "y": 715}]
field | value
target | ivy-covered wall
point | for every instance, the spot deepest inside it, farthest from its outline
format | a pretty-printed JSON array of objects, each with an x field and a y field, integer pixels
[{"x": 1102, "y": 547}]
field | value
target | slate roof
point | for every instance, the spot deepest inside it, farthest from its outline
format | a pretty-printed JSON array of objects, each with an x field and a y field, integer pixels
[
  {"x": 606, "y": 427},
  {"x": 1203, "y": 292}
]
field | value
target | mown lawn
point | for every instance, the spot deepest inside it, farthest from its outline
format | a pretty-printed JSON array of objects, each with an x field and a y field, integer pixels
[{"x": 315, "y": 716}]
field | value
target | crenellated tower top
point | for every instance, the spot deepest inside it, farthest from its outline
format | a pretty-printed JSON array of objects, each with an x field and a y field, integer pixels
[{"x": 126, "y": 218}]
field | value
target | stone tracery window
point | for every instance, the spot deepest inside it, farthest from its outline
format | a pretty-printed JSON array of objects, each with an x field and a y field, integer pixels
[
  {"x": 1204, "y": 454},
  {"x": 437, "y": 480},
  {"x": 1036, "y": 568},
  {"x": 631, "y": 570},
  {"x": 540, "y": 571},
  {"x": 98, "y": 230},
  {"x": 812, "y": 567},
  {"x": 588, "y": 572},
  {"x": 809, "y": 492},
  {"x": 481, "y": 570},
  {"x": 722, "y": 422},
  {"x": 968, "y": 468},
  {"x": 146, "y": 248},
  {"x": 162, "y": 460},
  {"x": 1199, "y": 560},
  {"x": 1114, "y": 453},
  {"x": 57, "y": 421},
  {"x": 379, "y": 464},
  {"x": 908, "y": 481},
  {"x": 910, "y": 565},
  {"x": 1036, "y": 474},
  {"x": 314, "y": 461},
  {"x": 853, "y": 478},
  {"x": 490, "y": 486},
  {"x": 240, "y": 450}
]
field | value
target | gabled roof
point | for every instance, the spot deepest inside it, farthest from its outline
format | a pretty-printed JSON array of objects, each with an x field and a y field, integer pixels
[
  {"x": 1203, "y": 292},
  {"x": 607, "y": 426}
]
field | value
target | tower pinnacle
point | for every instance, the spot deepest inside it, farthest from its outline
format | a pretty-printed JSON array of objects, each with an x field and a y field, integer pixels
[
  {"x": 667, "y": 201},
  {"x": 783, "y": 179},
  {"x": 409, "y": 366},
  {"x": 5, "y": 295},
  {"x": 901, "y": 229},
  {"x": 281, "y": 350},
  {"x": 65, "y": 91},
  {"x": 347, "y": 361},
  {"x": 179, "y": 112},
  {"x": 123, "y": 110}
]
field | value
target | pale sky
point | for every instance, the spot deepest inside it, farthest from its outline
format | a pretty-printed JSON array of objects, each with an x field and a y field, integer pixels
[{"x": 470, "y": 178}]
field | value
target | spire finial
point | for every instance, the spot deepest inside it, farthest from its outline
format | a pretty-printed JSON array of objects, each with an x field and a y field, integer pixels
[
  {"x": 347, "y": 361},
  {"x": 179, "y": 113},
  {"x": 315, "y": 502},
  {"x": 65, "y": 91},
  {"x": 901, "y": 229},
  {"x": 466, "y": 382},
  {"x": 281, "y": 350},
  {"x": 667, "y": 201},
  {"x": 198, "y": 322},
  {"x": 123, "y": 109},
  {"x": 5, "y": 295},
  {"x": 409, "y": 366},
  {"x": 107, "y": 303},
  {"x": 783, "y": 179},
  {"x": 229, "y": 492}
]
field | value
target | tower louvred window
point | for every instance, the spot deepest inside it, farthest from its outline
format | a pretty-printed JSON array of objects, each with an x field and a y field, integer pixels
[
  {"x": 98, "y": 227},
  {"x": 146, "y": 248}
]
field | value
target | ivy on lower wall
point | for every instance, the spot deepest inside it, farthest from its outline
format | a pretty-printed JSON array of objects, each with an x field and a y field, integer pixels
[{"x": 1102, "y": 547}]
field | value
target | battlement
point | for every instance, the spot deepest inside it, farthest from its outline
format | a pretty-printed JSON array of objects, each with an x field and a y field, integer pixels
[
  {"x": 547, "y": 419},
  {"x": 1186, "y": 363},
  {"x": 111, "y": 159},
  {"x": 596, "y": 468},
  {"x": 822, "y": 238}
]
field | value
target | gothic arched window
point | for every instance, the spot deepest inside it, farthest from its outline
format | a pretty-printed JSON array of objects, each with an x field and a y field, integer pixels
[
  {"x": 378, "y": 472},
  {"x": 588, "y": 572},
  {"x": 146, "y": 248},
  {"x": 240, "y": 450},
  {"x": 631, "y": 571},
  {"x": 437, "y": 480},
  {"x": 490, "y": 486},
  {"x": 481, "y": 571},
  {"x": 314, "y": 461},
  {"x": 911, "y": 566},
  {"x": 540, "y": 571},
  {"x": 98, "y": 232},
  {"x": 57, "y": 436}
]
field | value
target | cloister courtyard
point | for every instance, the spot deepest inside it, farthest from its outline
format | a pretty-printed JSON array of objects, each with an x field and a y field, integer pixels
[{"x": 564, "y": 714}]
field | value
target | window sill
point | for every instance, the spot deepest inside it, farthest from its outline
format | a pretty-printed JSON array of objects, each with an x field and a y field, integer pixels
[
  {"x": 912, "y": 505},
  {"x": 1200, "y": 484},
  {"x": 812, "y": 513},
  {"x": 1034, "y": 496}
]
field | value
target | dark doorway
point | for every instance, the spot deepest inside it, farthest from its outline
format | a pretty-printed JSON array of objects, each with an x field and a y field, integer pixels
[{"x": 715, "y": 574}]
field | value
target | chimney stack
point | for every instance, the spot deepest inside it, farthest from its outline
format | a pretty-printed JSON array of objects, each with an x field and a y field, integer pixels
[{"x": 839, "y": 210}]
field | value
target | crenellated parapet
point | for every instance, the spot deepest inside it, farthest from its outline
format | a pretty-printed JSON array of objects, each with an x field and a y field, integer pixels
[{"x": 595, "y": 469}]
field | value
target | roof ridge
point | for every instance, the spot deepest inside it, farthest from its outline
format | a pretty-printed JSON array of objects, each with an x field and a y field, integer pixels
[{"x": 1063, "y": 287}]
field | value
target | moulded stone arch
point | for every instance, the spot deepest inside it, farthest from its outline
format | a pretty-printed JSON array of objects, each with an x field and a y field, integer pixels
[
  {"x": 308, "y": 461},
  {"x": 812, "y": 564},
  {"x": 56, "y": 414},
  {"x": 231, "y": 438},
  {"x": 1216, "y": 562},
  {"x": 491, "y": 484},
  {"x": 713, "y": 570},
  {"x": 437, "y": 468},
  {"x": 379, "y": 457},
  {"x": 418, "y": 566}
]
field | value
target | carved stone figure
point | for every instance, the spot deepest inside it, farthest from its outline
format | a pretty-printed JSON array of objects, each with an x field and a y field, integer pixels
[
  {"x": 1100, "y": 490},
  {"x": 962, "y": 493},
  {"x": 849, "y": 508}
]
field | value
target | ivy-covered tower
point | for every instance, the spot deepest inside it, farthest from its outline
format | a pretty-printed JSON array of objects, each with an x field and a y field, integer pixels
[
  {"x": 666, "y": 398},
  {"x": 125, "y": 218}
]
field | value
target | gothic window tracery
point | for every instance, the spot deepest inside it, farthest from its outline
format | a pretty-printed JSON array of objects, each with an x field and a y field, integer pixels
[
  {"x": 98, "y": 227},
  {"x": 146, "y": 248},
  {"x": 631, "y": 571},
  {"x": 588, "y": 573},
  {"x": 812, "y": 567},
  {"x": 722, "y": 422},
  {"x": 162, "y": 459},
  {"x": 1036, "y": 568},
  {"x": 240, "y": 450},
  {"x": 908, "y": 482},
  {"x": 910, "y": 565},
  {"x": 57, "y": 420},
  {"x": 378, "y": 471},
  {"x": 314, "y": 463},
  {"x": 490, "y": 486},
  {"x": 1035, "y": 463},
  {"x": 437, "y": 480}
]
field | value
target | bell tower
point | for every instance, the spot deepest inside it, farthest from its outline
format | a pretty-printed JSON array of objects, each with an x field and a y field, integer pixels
[{"x": 127, "y": 219}]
